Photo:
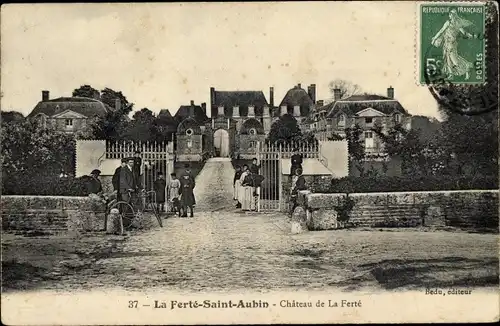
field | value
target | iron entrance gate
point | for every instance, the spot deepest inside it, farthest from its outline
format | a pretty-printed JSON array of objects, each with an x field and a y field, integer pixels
[
  {"x": 156, "y": 157},
  {"x": 276, "y": 187}
]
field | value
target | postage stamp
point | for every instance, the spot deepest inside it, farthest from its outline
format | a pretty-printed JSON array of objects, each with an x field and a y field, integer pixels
[{"x": 452, "y": 43}]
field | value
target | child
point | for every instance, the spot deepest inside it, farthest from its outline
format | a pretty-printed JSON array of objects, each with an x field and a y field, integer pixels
[
  {"x": 173, "y": 194},
  {"x": 159, "y": 187}
]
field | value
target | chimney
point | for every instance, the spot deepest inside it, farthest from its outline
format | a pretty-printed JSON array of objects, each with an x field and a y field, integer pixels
[
  {"x": 336, "y": 94},
  {"x": 284, "y": 110},
  {"x": 296, "y": 111},
  {"x": 45, "y": 96},
  {"x": 191, "y": 109},
  {"x": 311, "y": 90},
  {"x": 298, "y": 85},
  {"x": 236, "y": 111},
  {"x": 251, "y": 111},
  {"x": 271, "y": 96},
  {"x": 390, "y": 92},
  {"x": 320, "y": 103},
  {"x": 204, "y": 107},
  {"x": 118, "y": 104},
  {"x": 212, "y": 96}
]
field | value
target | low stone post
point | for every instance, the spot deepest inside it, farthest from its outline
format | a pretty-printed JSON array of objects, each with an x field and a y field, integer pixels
[{"x": 299, "y": 220}]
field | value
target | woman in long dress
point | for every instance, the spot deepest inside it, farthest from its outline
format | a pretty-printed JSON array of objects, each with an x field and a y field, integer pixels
[
  {"x": 237, "y": 186},
  {"x": 174, "y": 193},
  {"x": 246, "y": 190},
  {"x": 447, "y": 37}
]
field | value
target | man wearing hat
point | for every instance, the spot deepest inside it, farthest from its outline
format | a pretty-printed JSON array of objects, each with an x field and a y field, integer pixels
[
  {"x": 187, "y": 196},
  {"x": 137, "y": 168},
  {"x": 128, "y": 184},
  {"x": 94, "y": 185},
  {"x": 296, "y": 161},
  {"x": 116, "y": 178}
]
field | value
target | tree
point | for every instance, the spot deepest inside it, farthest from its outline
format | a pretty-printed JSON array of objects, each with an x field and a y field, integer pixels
[
  {"x": 29, "y": 151},
  {"x": 346, "y": 88},
  {"x": 286, "y": 131},
  {"x": 109, "y": 96},
  {"x": 141, "y": 128},
  {"x": 114, "y": 123},
  {"x": 11, "y": 117},
  {"x": 86, "y": 91}
]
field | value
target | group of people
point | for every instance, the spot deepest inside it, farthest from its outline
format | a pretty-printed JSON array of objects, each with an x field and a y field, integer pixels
[
  {"x": 247, "y": 181},
  {"x": 180, "y": 192},
  {"x": 127, "y": 184}
]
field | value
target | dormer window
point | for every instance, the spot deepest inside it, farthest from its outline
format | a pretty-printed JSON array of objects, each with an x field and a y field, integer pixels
[
  {"x": 69, "y": 123},
  {"x": 369, "y": 121},
  {"x": 341, "y": 121},
  {"x": 397, "y": 118}
]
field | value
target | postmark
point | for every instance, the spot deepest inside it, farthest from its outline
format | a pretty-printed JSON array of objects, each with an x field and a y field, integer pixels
[{"x": 452, "y": 43}]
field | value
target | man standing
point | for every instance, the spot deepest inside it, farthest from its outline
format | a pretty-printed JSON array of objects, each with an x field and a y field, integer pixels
[
  {"x": 137, "y": 168},
  {"x": 254, "y": 168},
  {"x": 187, "y": 195},
  {"x": 296, "y": 161},
  {"x": 94, "y": 185},
  {"x": 116, "y": 178},
  {"x": 159, "y": 187},
  {"x": 128, "y": 183}
]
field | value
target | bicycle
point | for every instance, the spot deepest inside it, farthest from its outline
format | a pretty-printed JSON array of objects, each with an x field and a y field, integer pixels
[{"x": 145, "y": 201}]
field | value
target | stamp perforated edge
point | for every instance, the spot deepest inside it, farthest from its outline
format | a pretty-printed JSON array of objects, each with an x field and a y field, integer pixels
[{"x": 417, "y": 37}]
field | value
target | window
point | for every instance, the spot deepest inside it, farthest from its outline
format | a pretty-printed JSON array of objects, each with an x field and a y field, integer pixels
[
  {"x": 251, "y": 145},
  {"x": 341, "y": 121},
  {"x": 397, "y": 118},
  {"x": 368, "y": 121},
  {"x": 252, "y": 131},
  {"x": 369, "y": 139},
  {"x": 189, "y": 132},
  {"x": 69, "y": 123},
  {"x": 189, "y": 143}
]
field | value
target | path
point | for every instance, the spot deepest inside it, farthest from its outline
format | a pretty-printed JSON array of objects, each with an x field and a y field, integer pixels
[{"x": 214, "y": 186}]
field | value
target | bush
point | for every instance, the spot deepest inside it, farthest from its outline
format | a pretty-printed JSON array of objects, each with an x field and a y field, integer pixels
[
  {"x": 44, "y": 186},
  {"x": 400, "y": 184}
]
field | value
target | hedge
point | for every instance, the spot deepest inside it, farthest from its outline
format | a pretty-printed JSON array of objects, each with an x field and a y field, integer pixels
[
  {"x": 44, "y": 186},
  {"x": 396, "y": 184}
]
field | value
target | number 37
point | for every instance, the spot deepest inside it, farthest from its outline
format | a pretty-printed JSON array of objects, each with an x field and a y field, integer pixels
[{"x": 132, "y": 304}]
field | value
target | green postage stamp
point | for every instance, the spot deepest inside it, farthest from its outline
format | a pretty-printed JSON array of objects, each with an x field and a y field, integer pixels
[{"x": 452, "y": 43}]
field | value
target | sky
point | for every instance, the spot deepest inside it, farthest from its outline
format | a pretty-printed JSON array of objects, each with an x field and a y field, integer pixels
[{"x": 162, "y": 56}]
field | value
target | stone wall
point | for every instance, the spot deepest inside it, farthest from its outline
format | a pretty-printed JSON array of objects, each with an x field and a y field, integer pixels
[
  {"x": 474, "y": 209},
  {"x": 50, "y": 215}
]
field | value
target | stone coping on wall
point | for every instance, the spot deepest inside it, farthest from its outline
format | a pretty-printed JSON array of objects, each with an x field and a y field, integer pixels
[
  {"x": 51, "y": 214},
  {"x": 458, "y": 208}
]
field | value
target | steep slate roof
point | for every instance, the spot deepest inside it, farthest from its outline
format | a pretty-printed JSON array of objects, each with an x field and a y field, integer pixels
[
  {"x": 297, "y": 96},
  {"x": 82, "y": 105},
  {"x": 165, "y": 113},
  {"x": 356, "y": 103},
  {"x": 183, "y": 113},
  {"x": 243, "y": 99}
]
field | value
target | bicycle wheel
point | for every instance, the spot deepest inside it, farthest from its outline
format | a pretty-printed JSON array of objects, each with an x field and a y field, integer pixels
[
  {"x": 127, "y": 214},
  {"x": 151, "y": 202},
  {"x": 157, "y": 214}
]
